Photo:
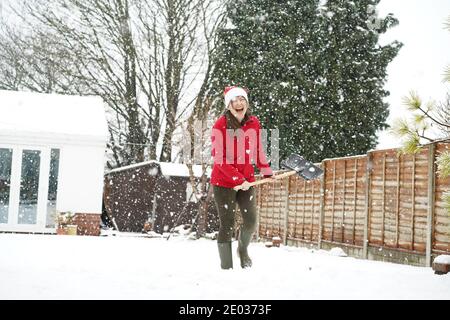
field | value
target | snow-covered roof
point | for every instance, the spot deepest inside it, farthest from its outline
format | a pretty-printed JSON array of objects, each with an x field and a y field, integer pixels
[
  {"x": 168, "y": 169},
  {"x": 180, "y": 170},
  {"x": 50, "y": 117}
]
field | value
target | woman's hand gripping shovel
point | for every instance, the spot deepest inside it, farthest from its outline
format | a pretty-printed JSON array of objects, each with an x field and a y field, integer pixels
[{"x": 295, "y": 164}]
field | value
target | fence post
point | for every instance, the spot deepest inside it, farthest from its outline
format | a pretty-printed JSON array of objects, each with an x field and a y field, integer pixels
[
  {"x": 367, "y": 201},
  {"x": 286, "y": 210},
  {"x": 322, "y": 205},
  {"x": 430, "y": 213}
]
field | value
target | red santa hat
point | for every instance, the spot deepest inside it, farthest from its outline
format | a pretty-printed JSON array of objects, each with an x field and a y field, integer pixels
[{"x": 232, "y": 92}]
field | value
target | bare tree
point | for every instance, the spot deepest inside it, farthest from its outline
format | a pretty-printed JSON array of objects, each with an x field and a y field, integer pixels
[
  {"x": 141, "y": 57},
  {"x": 27, "y": 61},
  {"x": 198, "y": 124}
]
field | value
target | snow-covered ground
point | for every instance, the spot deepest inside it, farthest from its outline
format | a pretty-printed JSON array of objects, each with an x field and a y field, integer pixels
[{"x": 123, "y": 267}]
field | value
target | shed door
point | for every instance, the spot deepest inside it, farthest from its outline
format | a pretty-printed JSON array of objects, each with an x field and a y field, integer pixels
[{"x": 28, "y": 188}]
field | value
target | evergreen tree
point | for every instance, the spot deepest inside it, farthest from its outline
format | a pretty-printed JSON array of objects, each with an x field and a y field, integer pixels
[
  {"x": 315, "y": 73},
  {"x": 269, "y": 49},
  {"x": 354, "y": 68}
]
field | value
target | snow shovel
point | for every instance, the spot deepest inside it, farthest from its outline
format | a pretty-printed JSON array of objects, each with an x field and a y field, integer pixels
[{"x": 296, "y": 164}]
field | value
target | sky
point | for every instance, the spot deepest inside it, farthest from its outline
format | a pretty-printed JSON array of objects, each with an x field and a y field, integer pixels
[
  {"x": 421, "y": 62},
  {"x": 126, "y": 267}
]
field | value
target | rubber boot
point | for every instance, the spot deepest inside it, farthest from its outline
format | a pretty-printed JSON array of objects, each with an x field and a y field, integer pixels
[
  {"x": 226, "y": 258},
  {"x": 244, "y": 240}
]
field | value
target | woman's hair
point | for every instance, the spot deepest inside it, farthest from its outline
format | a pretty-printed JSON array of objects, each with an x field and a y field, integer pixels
[{"x": 232, "y": 122}]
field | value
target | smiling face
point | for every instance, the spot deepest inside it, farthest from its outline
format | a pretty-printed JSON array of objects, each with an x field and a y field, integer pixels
[{"x": 238, "y": 107}]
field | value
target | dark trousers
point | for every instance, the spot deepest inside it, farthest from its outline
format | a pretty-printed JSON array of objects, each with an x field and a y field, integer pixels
[{"x": 226, "y": 199}]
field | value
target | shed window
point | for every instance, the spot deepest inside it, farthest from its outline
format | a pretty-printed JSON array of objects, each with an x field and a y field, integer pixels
[
  {"x": 29, "y": 186},
  {"x": 5, "y": 182},
  {"x": 52, "y": 188}
]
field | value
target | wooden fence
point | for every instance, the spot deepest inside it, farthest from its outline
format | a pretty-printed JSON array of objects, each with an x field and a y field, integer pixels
[{"x": 381, "y": 206}]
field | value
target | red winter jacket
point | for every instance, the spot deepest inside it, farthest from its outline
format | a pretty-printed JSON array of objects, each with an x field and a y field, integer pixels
[{"x": 233, "y": 152}]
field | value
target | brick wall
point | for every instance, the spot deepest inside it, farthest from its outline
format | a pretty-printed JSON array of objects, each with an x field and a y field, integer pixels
[{"x": 88, "y": 224}]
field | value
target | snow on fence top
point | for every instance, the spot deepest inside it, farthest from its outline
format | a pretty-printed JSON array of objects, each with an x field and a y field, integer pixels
[
  {"x": 52, "y": 115},
  {"x": 168, "y": 169}
]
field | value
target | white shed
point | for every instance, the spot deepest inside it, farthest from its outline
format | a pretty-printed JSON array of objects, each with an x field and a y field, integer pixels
[{"x": 52, "y": 150}]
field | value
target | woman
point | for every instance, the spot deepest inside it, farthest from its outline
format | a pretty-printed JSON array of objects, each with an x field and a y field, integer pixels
[{"x": 236, "y": 142}]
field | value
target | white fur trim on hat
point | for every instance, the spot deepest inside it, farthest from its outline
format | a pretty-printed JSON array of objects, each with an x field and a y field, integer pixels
[{"x": 233, "y": 93}]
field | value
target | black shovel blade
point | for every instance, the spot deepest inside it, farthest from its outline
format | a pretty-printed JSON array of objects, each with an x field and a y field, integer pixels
[{"x": 305, "y": 169}]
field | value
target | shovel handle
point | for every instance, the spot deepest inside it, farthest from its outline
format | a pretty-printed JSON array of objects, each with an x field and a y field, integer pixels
[{"x": 265, "y": 180}]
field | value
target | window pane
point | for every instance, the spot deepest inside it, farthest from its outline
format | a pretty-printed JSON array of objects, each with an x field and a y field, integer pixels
[
  {"x": 5, "y": 182},
  {"x": 29, "y": 186},
  {"x": 52, "y": 188}
]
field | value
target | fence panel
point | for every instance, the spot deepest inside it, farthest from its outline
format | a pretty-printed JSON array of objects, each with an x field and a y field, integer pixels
[
  {"x": 441, "y": 230},
  {"x": 303, "y": 210},
  {"x": 271, "y": 208},
  {"x": 344, "y": 203},
  {"x": 398, "y": 200}
]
